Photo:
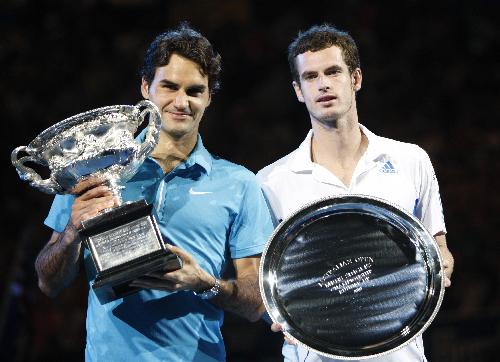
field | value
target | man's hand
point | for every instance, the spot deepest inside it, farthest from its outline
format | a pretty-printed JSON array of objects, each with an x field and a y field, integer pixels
[
  {"x": 57, "y": 263},
  {"x": 190, "y": 277},
  {"x": 275, "y": 327},
  {"x": 447, "y": 257},
  {"x": 94, "y": 197},
  {"x": 240, "y": 296}
]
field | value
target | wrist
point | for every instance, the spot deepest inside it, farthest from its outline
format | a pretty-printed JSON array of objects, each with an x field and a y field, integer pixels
[
  {"x": 205, "y": 281},
  {"x": 210, "y": 292},
  {"x": 71, "y": 234}
]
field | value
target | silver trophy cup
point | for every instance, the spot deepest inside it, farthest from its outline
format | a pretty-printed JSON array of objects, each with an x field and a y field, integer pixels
[{"x": 124, "y": 242}]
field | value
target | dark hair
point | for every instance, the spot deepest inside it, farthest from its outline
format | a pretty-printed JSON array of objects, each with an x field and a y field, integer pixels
[
  {"x": 188, "y": 43},
  {"x": 320, "y": 37}
]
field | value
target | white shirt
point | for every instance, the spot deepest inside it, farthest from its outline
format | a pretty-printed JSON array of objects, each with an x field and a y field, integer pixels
[{"x": 398, "y": 172}]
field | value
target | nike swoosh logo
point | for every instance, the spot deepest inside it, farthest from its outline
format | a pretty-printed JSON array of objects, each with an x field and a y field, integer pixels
[{"x": 193, "y": 192}]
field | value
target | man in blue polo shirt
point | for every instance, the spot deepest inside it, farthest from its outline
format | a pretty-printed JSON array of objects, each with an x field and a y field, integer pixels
[{"x": 211, "y": 211}]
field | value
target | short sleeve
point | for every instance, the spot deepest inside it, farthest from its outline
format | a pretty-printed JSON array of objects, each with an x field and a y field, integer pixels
[
  {"x": 60, "y": 212},
  {"x": 252, "y": 225},
  {"x": 429, "y": 208},
  {"x": 271, "y": 204},
  {"x": 272, "y": 200}
]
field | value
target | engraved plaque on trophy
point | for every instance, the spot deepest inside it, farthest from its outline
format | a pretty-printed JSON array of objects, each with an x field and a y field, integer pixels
[{"x": 124, "y": 241}]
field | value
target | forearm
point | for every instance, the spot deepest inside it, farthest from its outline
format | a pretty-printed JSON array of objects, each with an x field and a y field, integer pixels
[
  {"x": 241, "y": 297},
  {"x": 57, "y": 263}
]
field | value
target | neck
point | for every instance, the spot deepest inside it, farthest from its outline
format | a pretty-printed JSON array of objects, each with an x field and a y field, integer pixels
[
  {"x": 338, "y": 147},
  {"x": 339, "y": 141},
  {"x": 171, "y": 151}
]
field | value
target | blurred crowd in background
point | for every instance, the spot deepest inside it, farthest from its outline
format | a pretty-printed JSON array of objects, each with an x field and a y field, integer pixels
[{"x": 431, "y": 74}]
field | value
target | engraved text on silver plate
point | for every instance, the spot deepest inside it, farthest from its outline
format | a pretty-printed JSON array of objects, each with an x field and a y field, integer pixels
[{"x": 124, "y": 243}]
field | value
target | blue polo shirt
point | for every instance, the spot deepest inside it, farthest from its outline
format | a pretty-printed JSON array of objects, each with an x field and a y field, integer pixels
[{"x": 211, "y": 208}]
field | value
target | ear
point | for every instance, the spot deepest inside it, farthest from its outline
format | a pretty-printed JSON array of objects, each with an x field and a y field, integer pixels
[
  {"x": 209, "y": 98},
  {"x": 298, "y": 91},
  {"x": 145, "y": 89},
  {"x": 357, "y": 78}
]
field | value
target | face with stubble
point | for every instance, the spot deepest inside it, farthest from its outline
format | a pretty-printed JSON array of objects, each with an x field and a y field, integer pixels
[
  {"x": 180, "y": 91},
  {"x": 326, "y": 86}
]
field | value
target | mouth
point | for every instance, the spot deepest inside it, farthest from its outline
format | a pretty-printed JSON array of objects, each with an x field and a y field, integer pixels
[
  {"x": 178, "y": 115},
  {"x": 324, "y": 99}
]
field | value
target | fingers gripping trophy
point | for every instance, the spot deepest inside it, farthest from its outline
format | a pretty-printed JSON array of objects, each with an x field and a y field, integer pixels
[{"x": 124, "y": 241}]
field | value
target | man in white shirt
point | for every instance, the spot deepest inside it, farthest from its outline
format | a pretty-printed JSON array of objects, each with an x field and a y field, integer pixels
[{"x": 340, "y": 156}]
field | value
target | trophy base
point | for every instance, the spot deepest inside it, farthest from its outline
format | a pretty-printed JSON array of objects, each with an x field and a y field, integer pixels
[{"x": 125, "y": 244}]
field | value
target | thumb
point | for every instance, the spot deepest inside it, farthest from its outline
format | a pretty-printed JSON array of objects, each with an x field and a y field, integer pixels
[
  {"x": 275, "y": 327},
  {"x": 184, "y": 255}
]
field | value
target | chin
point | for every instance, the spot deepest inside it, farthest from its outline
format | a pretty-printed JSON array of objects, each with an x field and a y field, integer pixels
[
  {"x": 180, "y": 132},
  {"x": 175, "y": 133},
  {"x": 330, "y": 123},
  {"x": 328, "y": 118}
]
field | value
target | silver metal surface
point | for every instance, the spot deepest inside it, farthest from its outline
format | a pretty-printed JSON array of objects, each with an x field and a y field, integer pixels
[
  {"x": 352, "y": 277},
  {"x": 124, "y": 243},
  {"x": 99, "y": 142}
]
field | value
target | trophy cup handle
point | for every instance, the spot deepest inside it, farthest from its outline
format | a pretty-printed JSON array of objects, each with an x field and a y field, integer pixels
[
  {"x": 28, "y": 174},
  {"x": 153, "y": 129}
]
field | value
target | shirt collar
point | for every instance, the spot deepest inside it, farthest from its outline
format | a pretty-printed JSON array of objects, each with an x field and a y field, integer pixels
[
  {"x": 376, "y": 150},
  {"x": 300, "y": 160},
  {"x": 198, "y": 156}
]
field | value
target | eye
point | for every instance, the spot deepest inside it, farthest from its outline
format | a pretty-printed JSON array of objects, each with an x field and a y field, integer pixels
[
  {"x": 333, "y": 71},
  {"x": 170, "y": 86},
  {"x": 194, "y": 92}
]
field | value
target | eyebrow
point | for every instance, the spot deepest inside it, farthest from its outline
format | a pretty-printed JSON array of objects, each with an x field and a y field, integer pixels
[
  {"x": 168, "y": 83},
  {"x": 195, "y": 87},
  {"x": 333, "y": 67},
  {"x": 329, "y": 69}
]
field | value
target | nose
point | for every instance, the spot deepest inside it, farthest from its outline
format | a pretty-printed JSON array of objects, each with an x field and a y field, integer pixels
[
  {"x": 323, "y": 83},
  {"x": 181, "y": 101}
]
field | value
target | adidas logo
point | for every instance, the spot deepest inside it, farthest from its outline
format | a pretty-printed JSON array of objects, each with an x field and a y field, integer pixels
[{"x": 388, "y": 168}]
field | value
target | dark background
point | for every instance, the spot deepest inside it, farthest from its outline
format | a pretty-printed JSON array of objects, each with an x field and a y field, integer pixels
[{"x": 430, "y": 76}]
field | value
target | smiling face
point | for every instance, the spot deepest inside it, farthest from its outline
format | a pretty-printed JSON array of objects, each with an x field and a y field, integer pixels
[
  {"x": 326, "y": 85},
  {"x": 180, "y": 91}
]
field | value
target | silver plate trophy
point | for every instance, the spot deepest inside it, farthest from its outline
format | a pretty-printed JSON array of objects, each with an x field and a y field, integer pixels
[
  {"x": 352, "y": 277},
  {"x": 124, "y": 242}
]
